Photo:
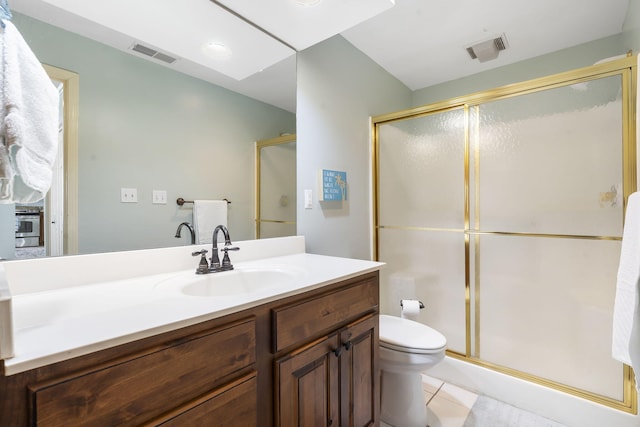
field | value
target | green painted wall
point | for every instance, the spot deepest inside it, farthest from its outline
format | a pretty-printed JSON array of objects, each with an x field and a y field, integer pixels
[
  {"x": 145, "y": 126},
  {"x": 339, "y": 88}
]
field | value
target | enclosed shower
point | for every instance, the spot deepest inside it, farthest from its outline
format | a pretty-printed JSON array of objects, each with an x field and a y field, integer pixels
[
  {"x": 275, "y": 197},
  {"x": 503, "y": 212}
]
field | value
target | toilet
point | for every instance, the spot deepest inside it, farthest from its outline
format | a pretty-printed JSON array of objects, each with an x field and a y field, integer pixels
[{"x": 407, "y": 348}]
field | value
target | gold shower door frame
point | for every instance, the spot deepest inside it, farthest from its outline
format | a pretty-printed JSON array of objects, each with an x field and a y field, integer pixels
[
  {"x": 259, "y": 216},
  {"x": 626, "y": 69}
]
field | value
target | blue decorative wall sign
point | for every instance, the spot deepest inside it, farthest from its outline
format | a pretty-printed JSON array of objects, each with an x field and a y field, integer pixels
[{"x": 333, "y": 185}]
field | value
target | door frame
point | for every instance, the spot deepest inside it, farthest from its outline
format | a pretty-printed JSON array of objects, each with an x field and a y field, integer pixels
[{"x": 71, "y": 107}]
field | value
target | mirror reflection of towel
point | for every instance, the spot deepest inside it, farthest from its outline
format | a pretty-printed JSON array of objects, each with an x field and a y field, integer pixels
[
  {"x": 29, "y": 120},
  {"x": 207, "y": 215}
]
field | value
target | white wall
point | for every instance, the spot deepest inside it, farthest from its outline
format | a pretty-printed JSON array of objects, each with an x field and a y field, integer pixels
[{"x": 339, "y": 88}]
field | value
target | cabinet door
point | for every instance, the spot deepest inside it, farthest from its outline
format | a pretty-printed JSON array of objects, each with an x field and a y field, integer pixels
[
  {"x": 360, "y": 373},
  {"x": 307, "y": 386}
]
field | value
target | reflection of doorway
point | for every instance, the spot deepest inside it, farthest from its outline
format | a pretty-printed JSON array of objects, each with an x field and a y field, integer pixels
[
  {"x": 276, "y": 187},
  {"x": 54, "y": 202},
  {"x": 61, "y": 205}
]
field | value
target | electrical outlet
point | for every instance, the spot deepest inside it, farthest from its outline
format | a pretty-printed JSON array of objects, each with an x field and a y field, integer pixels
[
  {"x": 128, "y": 195},
  {"x": 159, "y": 197}
]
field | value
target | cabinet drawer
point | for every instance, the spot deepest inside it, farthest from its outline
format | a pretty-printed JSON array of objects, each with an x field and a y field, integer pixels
[
  {"x": 234, "y": 405},
  {"x": 143, "y": 386},
  {"x": 301, "y": 321}
]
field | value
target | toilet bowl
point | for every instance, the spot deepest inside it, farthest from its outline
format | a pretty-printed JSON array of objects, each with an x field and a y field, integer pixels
[{"x": 407, "y": 348}]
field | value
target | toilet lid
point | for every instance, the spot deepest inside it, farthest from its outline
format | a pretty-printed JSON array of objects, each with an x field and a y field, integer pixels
[{"x": 406, "y": 335}]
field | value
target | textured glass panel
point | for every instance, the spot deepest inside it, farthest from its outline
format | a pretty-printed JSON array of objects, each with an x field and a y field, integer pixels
[
  {"x": 546, "y": 309},
  {"x": 422, "y": 171},
  {"x": 428, "y": 266},
  {"x": 278, "y": 182},
  {"x": 274, "y": 229},
  {"x": 550, "y": 162}
]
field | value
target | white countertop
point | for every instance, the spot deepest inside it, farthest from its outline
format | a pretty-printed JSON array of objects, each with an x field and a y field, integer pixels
[{"x": 54, "y": 325}]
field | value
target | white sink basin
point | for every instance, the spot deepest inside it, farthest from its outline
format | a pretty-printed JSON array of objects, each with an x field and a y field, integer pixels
[{"x": 241, "y": 281}]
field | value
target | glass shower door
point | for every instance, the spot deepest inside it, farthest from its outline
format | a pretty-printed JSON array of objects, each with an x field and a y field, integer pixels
[
  {"x": 503, "y": 212},
  {"x": 548, "y": 219},
  {"x": 422, "y": 219},
  {"x": 276, "y": 187}
]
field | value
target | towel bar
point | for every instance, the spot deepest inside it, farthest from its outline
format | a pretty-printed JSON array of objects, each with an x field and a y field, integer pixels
[{"x": 182, "y": 201}]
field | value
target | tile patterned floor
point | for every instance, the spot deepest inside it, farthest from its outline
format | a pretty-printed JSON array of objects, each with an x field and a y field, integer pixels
[
  {"x": 449, "y": 406},
  {"x": 30, "y": 252}
]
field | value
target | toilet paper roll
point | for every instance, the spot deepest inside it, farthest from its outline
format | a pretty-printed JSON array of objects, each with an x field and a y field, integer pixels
[{"x": 410, "y": 308}]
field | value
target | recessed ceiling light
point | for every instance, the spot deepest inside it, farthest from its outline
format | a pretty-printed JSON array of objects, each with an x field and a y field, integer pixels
[
  {"x": 308, "y": 2},
  {"x": 217, "y": 50}
]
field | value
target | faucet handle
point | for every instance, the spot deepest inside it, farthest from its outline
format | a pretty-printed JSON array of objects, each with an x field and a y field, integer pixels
[
  {"x": 203, "y": 266},
  {"x": 226, "y": 262}
]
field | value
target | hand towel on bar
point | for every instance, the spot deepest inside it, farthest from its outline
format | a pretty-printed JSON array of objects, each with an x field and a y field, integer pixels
[
  {"x": 29, "y": 122},
  {"x": 207, "y": 215},
  {"x": 626, "y": 314}
]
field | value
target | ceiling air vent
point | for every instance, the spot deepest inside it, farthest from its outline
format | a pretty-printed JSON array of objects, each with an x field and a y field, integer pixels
[
  {"x": 145, "y": 50},
  {"x": 488, "y": 49}
]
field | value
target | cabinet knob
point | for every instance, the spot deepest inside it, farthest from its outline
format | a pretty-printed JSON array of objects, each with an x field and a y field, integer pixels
[
  {"x": 337, "y": 351},
  {"x": 347, "y": 345},
  {"x": 330, "y": 422}
]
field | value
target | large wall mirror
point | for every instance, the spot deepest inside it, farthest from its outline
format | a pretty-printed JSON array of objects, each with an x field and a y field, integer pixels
[{"x": 144, "y": 126}]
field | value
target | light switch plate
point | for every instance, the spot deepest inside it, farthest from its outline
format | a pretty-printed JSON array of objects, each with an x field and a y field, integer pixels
[
  {"x": 129, "y": 195},
  {"x": 308, "y": 199},
  {"x": 159, "y": 197}
]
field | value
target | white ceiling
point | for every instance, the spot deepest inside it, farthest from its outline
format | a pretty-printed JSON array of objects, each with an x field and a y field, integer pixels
[
  {"x": 420, "y": 42},
  {"x": 423, "y": 42}
]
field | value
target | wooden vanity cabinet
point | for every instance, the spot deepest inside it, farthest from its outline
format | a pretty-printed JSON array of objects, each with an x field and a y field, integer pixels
[
  {"x": 305, "y": 360},
  {"x": 334, "y": 379}
]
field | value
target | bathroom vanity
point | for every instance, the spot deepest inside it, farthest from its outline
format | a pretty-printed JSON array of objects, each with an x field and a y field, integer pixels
[{"x": 305, "y": 353}]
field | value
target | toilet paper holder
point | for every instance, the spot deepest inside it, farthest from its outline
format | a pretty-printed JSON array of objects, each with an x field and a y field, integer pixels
[{"x": 421, "y": 304}]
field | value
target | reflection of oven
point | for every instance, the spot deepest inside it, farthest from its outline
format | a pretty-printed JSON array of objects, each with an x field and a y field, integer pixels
[{"x": 27, "y": 228}]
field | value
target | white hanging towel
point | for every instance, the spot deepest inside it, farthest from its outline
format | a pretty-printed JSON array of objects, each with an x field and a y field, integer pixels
[
  {"x": 28, "y": 121},
  {"x": 626, "y": 313},
  {"x": 207, "y": 215}
]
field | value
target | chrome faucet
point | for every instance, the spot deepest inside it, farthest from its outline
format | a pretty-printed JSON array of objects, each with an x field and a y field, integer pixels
[
  {"x": 191, "y": 230},
  {"x": 226, "y": 265}
]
